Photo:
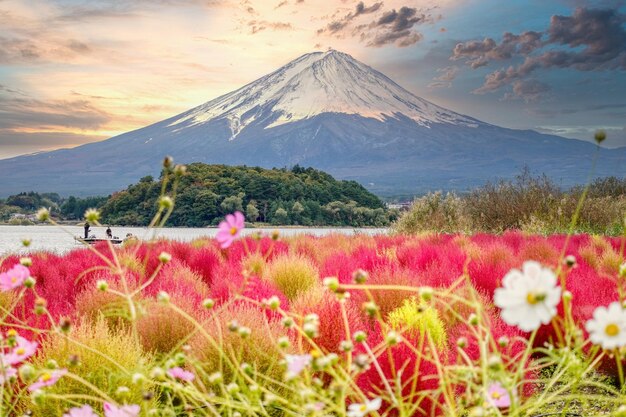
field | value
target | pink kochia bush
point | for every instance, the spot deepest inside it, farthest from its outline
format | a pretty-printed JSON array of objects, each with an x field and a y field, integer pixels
[{"x": 235, "y": 289}]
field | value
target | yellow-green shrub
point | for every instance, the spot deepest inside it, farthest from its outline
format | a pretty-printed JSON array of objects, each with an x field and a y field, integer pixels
[{"x": 292, "y": 274}]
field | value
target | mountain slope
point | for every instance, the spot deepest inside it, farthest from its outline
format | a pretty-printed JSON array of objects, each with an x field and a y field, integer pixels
[{"x": 324, "y": 110}]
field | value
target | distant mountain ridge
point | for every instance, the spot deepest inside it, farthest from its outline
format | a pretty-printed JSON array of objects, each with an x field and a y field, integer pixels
[{"x": 325, "y": 110}]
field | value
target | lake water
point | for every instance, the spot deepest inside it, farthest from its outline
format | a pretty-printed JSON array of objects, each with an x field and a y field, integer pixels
[{"x": 60, "y": 239}]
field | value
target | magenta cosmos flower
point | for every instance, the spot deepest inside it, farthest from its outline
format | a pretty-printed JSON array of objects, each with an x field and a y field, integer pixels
[
  {"x": 180, "y": 373},
  {"x": 498, "y": 396},
  {"x": 14, "y": 277},
  {"x": 229, "y": 229},
  {"x": 111, "y": 410},
  {"x": 84, "y": 411},
  {"x": 22, "y": 351},
  {"x": 48, "y": 378}
]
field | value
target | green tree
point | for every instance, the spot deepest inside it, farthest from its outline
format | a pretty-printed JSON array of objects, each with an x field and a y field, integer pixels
[
  {"x": 281, "y": 217},
  {"x": 252, "y": 213},
  {"x": 232, "y": 204}
]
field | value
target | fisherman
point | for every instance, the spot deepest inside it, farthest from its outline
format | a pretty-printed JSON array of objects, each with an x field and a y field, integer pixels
[
  {"x": 109, "y": 233},
  {"x": 86, "y": 230}
]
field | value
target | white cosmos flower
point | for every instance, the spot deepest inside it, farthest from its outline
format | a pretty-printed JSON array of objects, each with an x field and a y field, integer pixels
[
  {"x": 361, "y": 410},
  {"x": 528, "y": 298},
  {"x": 607, "y": 328}
]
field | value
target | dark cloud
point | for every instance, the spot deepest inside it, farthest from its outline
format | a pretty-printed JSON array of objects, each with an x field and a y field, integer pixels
[
  {"x": 15, "y": 50},
  {"x": 361, "y": 9},
  {"x": 281, "y": 4},
  {"x": 390, "y": 27},
  {"x": 448, "y": 74},
  {"x": 588, "y": 40}
]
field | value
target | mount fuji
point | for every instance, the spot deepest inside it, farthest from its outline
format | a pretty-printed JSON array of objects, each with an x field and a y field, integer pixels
[{"x": 325, "y": 110}]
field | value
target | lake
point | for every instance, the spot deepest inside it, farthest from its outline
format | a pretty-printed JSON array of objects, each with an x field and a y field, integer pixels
[{"x": 60, "y": 239}]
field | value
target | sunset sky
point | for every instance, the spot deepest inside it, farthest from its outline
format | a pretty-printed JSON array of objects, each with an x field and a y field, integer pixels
[{"x": 73, "y": 72}]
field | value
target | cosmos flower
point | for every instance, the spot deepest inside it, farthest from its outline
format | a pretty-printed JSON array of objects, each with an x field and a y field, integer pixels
[
  {"x": 47, "y": 378},
  {"x": 361, "y": 410},
  {"x": 229, "y": 229},
  {"x": 181, "y": 374},
  {"x": 607, "y": 328},
  {"x": 84, "y": 411},
  {"x": 111, "y": 410},
  {"x": 528, "y": 298},
  {"x": 22, "y": 351},
  {"x": 497, "y": 396},
  {"x": 297, "y": 363},
  {"x": 14, "y": 277}
]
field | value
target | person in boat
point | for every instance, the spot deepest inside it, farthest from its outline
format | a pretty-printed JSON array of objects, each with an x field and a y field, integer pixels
[
  {"x": 86, "y": 230},
  {"x": 109, "y": 233}
]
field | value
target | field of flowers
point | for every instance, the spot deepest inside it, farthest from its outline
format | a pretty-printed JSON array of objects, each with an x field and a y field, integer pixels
[{"x": 388, "y": 325}]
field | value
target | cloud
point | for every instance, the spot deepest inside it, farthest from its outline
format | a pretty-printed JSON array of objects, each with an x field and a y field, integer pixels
[
  {"x": 588, "y": 40},
  {"x": 395, "y": 26},
  {"x": 528, "y": 90},
  {"x": 615, "y": 135},
  {"x": 448, "y": 74},
  {"x": 260, "y": 25}
]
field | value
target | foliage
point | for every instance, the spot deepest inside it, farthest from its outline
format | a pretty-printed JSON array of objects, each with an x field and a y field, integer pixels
[{"x": 303, "y": 196}]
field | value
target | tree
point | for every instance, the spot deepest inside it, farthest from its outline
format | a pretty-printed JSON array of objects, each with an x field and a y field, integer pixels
[
  {"x": 232, "y": 204},
  {"x": 296, "y": 212},
  {"x": 281, "y": 217},
  {"x": 252, "y": 213}
]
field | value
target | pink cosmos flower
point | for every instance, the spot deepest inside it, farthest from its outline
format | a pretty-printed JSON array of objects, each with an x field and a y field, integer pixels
[
  {"x": 84, "y": 411},
  {"x": 14, "y": 277},
  {"x": 111, "y": 410},
  {"x": 47, "y": 378},
  {"x": 297, "y": 363},
  {"x": 23, "y": 350},
  {"x": 498, "y": 396},
  {"x": 180, "y": 373},
  {"x": 6, "y": 374},
  {"x": 229, "y": 229}
]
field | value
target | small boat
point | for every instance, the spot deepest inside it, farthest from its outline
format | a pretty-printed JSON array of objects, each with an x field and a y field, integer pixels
[{"x": 92, "y": 240}]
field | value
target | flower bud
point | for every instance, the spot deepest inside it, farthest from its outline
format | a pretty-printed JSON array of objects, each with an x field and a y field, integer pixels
[
  {"x": 360, "y": 276},
  {"x": 92, "y": 215},
  {"x": 38, "y": 397},
  {"x": 461, "y": 342},
  {"x": 392, "y": 338},
  {"x": 180, "y": 170},
  {"x": 622, "y": 270},
  {"x": 570, "y": 260},
  {"x": 51, "y": 364},
  {"x": 147, "y": 395},
  {"x": 233, "y": 325},
  {"x": 600, "y": 136},
  {"x": 273, "y": 302},
  {"x": 73, "y": 360},
  {"x": 246, "y": 368},
  {"x": 157, "y": 373},
  {"x": 26, "y": 242},
  {"x": 287, "y": 322},
  {"x": 283, "y": 342},
  {"x": 332, "y": 283},
  {"x": 426, "y": 293},
  {"x": 43, "y": 214},
  {"x": 168, "y": 161},
  {"x": 102, "y": 285},
  {"x": 122, "y": 391},
  {"x": 567, "y": 295},
  {"x": 494, "y": 362},
  {"x": 275, "y": 234},
  {"x": 310, "y": 329},
  {"x": 370, "y": 308},
  {"x": 244, "y": 332},
  {"x": 346, "y": 346},
  {"x": 26, "y": 261},
  {"x": 503, "y": 341},
  {"x": 232, "y": 388},
  {"x": 359, "y": 336},
  {"x": 164, "y": 257},
  {"x": 163, "y": 297},
  {"x": 165, "y": 202},
  {"x": 473, "y": 319},
  {"x": 40, "y": 306},
  {"x": 215, "y": 378},
  {"x": 26, "y": 372},
  {"x": 30, "y": 282},
  {"x": 208, "y": 303},
  {"x": 65, "y": 325}
]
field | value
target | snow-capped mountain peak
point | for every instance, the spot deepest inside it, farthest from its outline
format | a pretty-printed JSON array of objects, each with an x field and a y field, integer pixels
[{"x": 316, "y": 83}]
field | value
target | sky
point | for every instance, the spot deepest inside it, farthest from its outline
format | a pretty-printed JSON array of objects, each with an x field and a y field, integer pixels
[{"x": 75, "y": 72}]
